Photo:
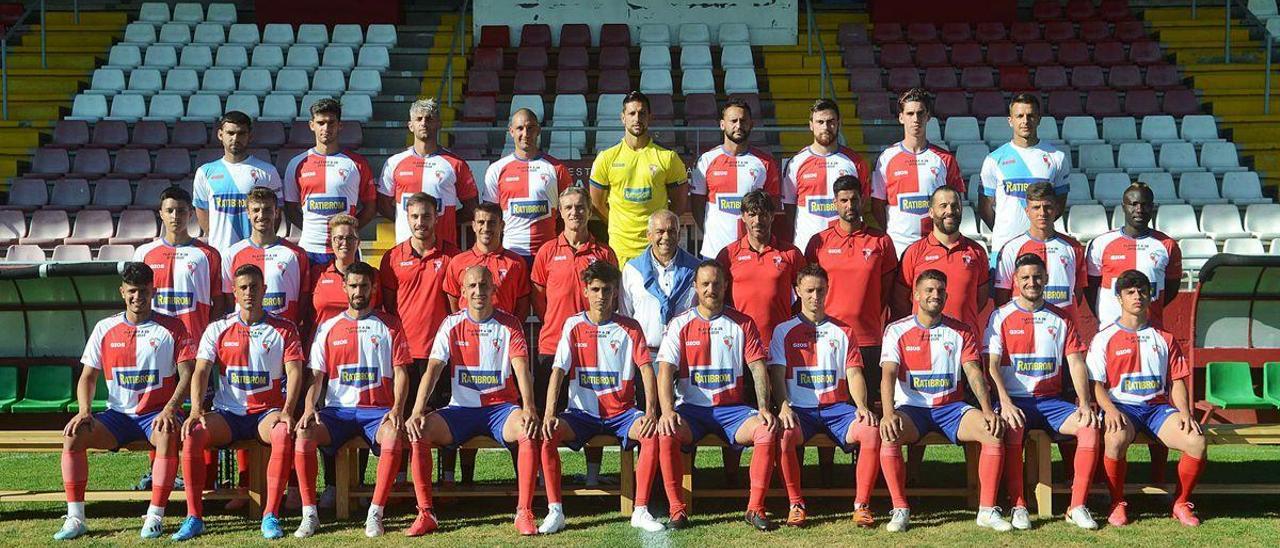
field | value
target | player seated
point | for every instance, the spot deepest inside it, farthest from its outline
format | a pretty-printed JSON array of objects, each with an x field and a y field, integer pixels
[
  {"x": 483, "y": 349},
  {"x": 257, "y": 357},
  {"x": 1139, "y": 375},
  {"x": 703, "y": 352},
  {"x": 361, "y": 358},
  {"x": 146, "y": 359},
  {"x": 1026, "y": 343},
  {"x": 923, "y": 357}
]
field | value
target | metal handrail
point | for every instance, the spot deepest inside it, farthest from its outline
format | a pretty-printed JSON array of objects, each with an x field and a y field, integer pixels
[
  {"x": 4, "y": 55},
  {"x": 459, "y": 31},
  {"x": 655, "y": 131}
]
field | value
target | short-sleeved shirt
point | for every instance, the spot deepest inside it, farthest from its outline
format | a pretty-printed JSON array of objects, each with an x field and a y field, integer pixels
[
  {"x": 1064, "y": 263},
  {"x": 710, "y": 355},
  {"x": 1154, "y": 254},
  {"x": 808, "y": 181},
  {"x": 250, "y": 361},
  {"x": 442, "y": 174},
  {"x": 1006, "y": 174},
  {"x": 358, "y": 357},
  {"x": 930, "y": 360},
  {"x": 558, "y": 269},
  {"x": 221, "y": 188},
  {"x": 762, "y": 283},
  {"x": 637, "y": 182},
  {"x": 528, "y": 191},
  {"x": 285, "y": 267},
  {"x": 905, "y": 180},
  {"x": 724, "y": 179},
  {"x": 138, "y": 361},
  {"x": 324, "y": 186},
  {"x": 478, "y": 356},
  {"x": 856, "y": 264},
  {"x": 1032, "y": 346},
  {"x": 510, "y": 275},
  {"x": 418, "y": 282},
  {"x": 1137, "y": 367},
  {"x": 965, "y": 265},
  {"x": 187, "y": 280},
  {"x": 600, "y": 361},
  {"x": 817, "y": 358},
  {"x": 329, "y": 293}
]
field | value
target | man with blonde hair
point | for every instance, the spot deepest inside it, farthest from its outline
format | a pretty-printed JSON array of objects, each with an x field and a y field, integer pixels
[{"x": 427, "y": 167}]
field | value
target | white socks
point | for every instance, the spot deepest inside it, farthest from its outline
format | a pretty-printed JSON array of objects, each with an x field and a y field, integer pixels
[
  {"x": 75, "y": 510},
  {"x": 156, "y": 511},
  {"x": 375, "y": 509}
]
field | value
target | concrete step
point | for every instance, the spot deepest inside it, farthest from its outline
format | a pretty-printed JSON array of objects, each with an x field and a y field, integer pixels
[
  {"x": 1183, "y": 15},
  {"x": 93, "y": 18},
  {"x": 1216, "y": 33},
  {"x": 39, "y": 111},
  {"x": 77, "y": 64},
  {"x": 802, "y": 61},
  {"x": 99, "y": 39},
  {"x": 19, "y": 139},
  {"x": 66, "y": 86},
  {"x": 1217, "y": 55},
  {"x": 1228, "y": 105}
]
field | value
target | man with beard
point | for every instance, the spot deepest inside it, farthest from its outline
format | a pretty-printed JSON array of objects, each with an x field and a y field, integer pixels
[
  {"x": 1009, "y": 170},
  {"x": 944, "y": 248},
  {"x": 1063, "y": 255},
  {"x": 725, "y": 174},
  {"x": 526, "y": 185},
  {"x": 634, "y": 179},
  {"x": 807, "y": 181},
  {"x": 510, "y": 273},
  {"x": 285, "y": 265},
  {"x": 221, "y": 186},
  {"x": 427, "y": 167}
]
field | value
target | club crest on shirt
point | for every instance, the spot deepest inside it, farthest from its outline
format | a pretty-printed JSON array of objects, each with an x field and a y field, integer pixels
[
  {"x": 191, "y": 267},
  {"x": 949, "y": 347},
  {"x": 867, "y": 253},
  {"x": 436, "y": 263},
  {"x": 502, "y": 274},
  {"x": 439, "y": 175},
  {"x": 1052, "y": 329},
  {"x": 933, "y": 171},
  {"x": 343, "y": 172},
  {"x": 614, "y": 346},
  {"x": 968, "y": 259},
  {"x": 727, "y": 341},
  {"x": 374, "y": 340}
]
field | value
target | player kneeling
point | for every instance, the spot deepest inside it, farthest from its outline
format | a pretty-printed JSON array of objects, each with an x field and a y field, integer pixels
[
  {"x": 923, "y": 356},
  {"x": 253, "y": 353},
  {"x": 487, "y": 360},
  {"x": 1026, "y": 342},
  {"x": 1140, "y": 380}
]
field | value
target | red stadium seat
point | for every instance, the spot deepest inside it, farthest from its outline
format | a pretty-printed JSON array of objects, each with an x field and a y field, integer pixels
[
  {"x": 70, "y": 134},
  {"x": 1002, "y": 54},
  {"x": 482, "y": 82},
  {"x": 851, "y": 33},
  {"x": 753, "y": 101},
  {"x": 953, "y": 33},
  {"x": 1024, "y": 31},
  {"x": 661, "y": 107},
  {"x": 1035, "y": 54},
  {"x": 189, "y": 134},
  {"x": 573, "y": 58},
  {"x": 700, "y": 106},
  {"x": 350, "y": 136},
  {"x": 1064, "y": 103},
  {"x": 903, "y": 78},
  {"x": 1051, "y": 78},
  {"x": 874, "y": 106},
  {"x": 531, "y": 58},
  {"x": 940, "y": 78},
  {"x": 1109, "y": 53},
  {"x": 1115, "y": 10},
  {"x": 896, "y": 55},
  {"x": 887, "y": 32},
  {"x": 536, "y": 36},
  {"x": 1141, "y": 102},
  {"x": 152, "y": 134},
  {"x": 1081, "y": 10},
  {"x": 1073, "y": 53},
  {"x": 575, "y": 35},
  {"x": 1088, "y": 78},
  {"x": 989, "y": 103},
  {"x": 932, "y": 55},
  {"x": 476, "y": 140},
  {"x": 1046, "y": 10},
  {"x": 132, "y": 163},
  {"x": 615, "y": 57},
  {"x": 975, "y": 78},
  {"x": 50, "y": 163},
  {"x": 1125, "y": 77},
  {"x": 860, "y": 55},
  {"x": 1181, "y": 102},
  {"x": 1094, "y": 31},
  {"x": 613, "y": 81},
  {"x": 1146, "y": 52},
  {"x": 1102, "y": 103},
  {"x": 865, "y": 79},
  {"x": 966, "y": 54},
  {"x": 1131, "y": 31},
  {"x": 990, "y": 32},
  {"x": 615, "y": 34},
  {"x": 495, "y": 36},
  {"x": 174, "y": 163},
  {"x": 532, "y": 82},
  {"x": 487, "y": 59},
  {"x": 922, "y": 32},
  {"x": 1163, "y": 76},
  {"x": 950, "y": 103},
  {"x": 90, "y": 163},
  {"x": 136, "y": 227},
  {"x": 1059, "y": 31},
  {"x": 93, "y": 227},
  {"x": 480, "y": 109},
  {"x": 300, "y": 135},
  {"x": 572, "y": 82},
  {"x": 110, "y": 134},
  {"x": 1015, "y": 78},
  {"x": 266, "y": 133}
]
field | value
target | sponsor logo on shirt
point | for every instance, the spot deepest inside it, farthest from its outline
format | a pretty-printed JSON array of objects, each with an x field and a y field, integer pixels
[
  {"x": 137, "y": 379},
  {"x": 915, "y": 205},
  {"x": 931, "y": 383},
  {"x": 815, "y": 380},
  {"x": 359, "y": 376},
  {"x": 711, "y": 379},
  {"x": 273, "y": 301},
  {"x": 230, "y": 204},
  {"x": 822, "y": 207},
  {"x": 1034, "y": 366},
  {"x": 729, "y": 203},
  {"x": 599, "y": 381},
  {"x": 174, "y": 301},
  {"x": 480, "y": 379},
  {"x": 246, "y": 379},
  {"x": 528, "y": 209},
  {"x": 637, "y": 194},
  {"x": 326, "y": 205},
  {"x": 1057, "y": 293},
  {"x": 1141, "y": 385}
]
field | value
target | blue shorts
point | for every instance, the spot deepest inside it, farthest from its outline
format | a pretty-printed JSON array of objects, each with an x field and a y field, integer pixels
[
  {"x": 944, "y": 420},
  {"x": 1148, "y": 418},
  {"x": 723, "y": 421},
  {"x": 128, "y": 428},
  {"x": 586, "y": 427},
  {"x": 245, "y": 427},
  {"x": 468, "y": 422},
  {"x": 343, "y": 423},
  {"x": 1044, "y": 413},
  {"x": 834, "y": 419}
]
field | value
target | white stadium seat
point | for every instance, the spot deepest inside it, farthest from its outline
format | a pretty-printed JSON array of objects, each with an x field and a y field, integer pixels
[
  {"x": 658, "y": 81},
  {"x": 1086, "y": 222},
  {"x": 655, "y": 57},
  {"x": 269, "y": 57},
  {"x": 231, "y": 57},
  {"x": 695, "y": 57},
  {"x": 569, "y": 108},
  {"x": 188, "y": 12},
  {"x": 294, "y": 82},
  {"x": 531, "y": 102},
  {"x": 1159, "y": 129},
  {"x": 1275, "y": 246},
  {"x": 1097, "y": 158},
  {"x": 357, "y": 107},
  {"x": 1243, "y": 188},
  {"x": 1222, "y": 221},
  {"x": 732, "y": 34},
  {"x": 1263, "y": 220},
  {"x": 736, "y": 56},
  {"x": 365, "y": 81},
  {"x": 301, "y": 57},
  {"x": 139, "y": 34},
  {"x": 128, "y": 108},
  {"x": 1080, "y": 130},
  {"x": 609, "y": 109},
  {"x": 1199, "y": 188},
  {"x": 312, "y": 34},
  {"x": 106, "y": 81},
  {"x": 203, "y": 107},
  {"x": 1178, "y": 157},
  {"x": 245, "y": 103},
  {"x": 339, "y": 57},
  {"x": 1136, "y": 158},
  {"x": 1219, "y": 157},
  {"x": 695, "y": 34},
  {"x": 154, "y": 12},
  {"x": 741, "y": 80},
  {"x": 374, "y": 57},
  {"x": 280, "y": 34},
  {"x": 89, "y": 108},
  {"x": 347, "y": 35},
  {"x": 1108, "y": 188},
  {"x": 1048, "y": 129},
  {"x": 174, "y": 34},
  {"x": 165, "y": 108},
  {"x": 1178, "y": 221},
  {"x": 181, "y": 81},
  {"x": 1244, "y": 246},
  {"x": 1200, "y": 128},
  {"x": 996, "y": 131},
  {"x": 658, "y": 34},
  {"x": 218, "y": 81},
  {"x": 123, "y": 57},
  {"x": 1119, "y": 130},
  {"x": 969, "y": 224},
  {"x": 325, "y": 80},
  {"x": 1078, "y": 192},
  {"x": 1117, "y": 217},
  {"x": 196, "y": 57},
  {"x": 244, "y": 34},
  {"x": 380, "y": 35},
  {"x": 281, "y": 108},
  {"x": 222, "y": 12},
  {"x": 1195, "y": 252},
  {"x": 255, "y": 81},
  {"x": 160, "y": 57},
  {"x": 961, "y": 130}
]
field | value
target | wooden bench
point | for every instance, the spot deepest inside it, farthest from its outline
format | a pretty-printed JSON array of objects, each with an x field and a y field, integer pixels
[
  {"x": 47, "y": 441},
  {"x": 347, "y": 472},
  {"x": 1040, "y": 474}
]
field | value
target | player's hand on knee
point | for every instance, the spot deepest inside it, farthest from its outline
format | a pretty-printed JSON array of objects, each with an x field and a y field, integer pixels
[
  {"x": 891, "y": 428},
  {"x": 1086, "y": 418},
  {"x": 394, "y": 420},
  {"x": 196, "y": 418},
  {"x": 648, "y": 425},
  {"x": 529, "y": 423},
  {"x": 1115, "y": 422},
  {"x": 83, "y": 419},
  {"x": 416, "y": 426},
  {"x": 992, "y": 423},
  {"x": 1012, "y": 415},
  {"x": 307, "y": 420},
  {"x": 669, "y": 424},
  {"x": 865, "y": 416},
  {"x": 167, "y": 421},
  {"x": 1187, "y": 424},
  {"x": 787, "y": 417},
  {"x": 549, "y": 426}
]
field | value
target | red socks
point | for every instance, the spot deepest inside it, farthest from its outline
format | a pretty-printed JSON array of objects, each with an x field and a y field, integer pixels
[
  {"x": 791, "y": 440},
  {"x": 304, "y": 460},
  {"x": 420, "y": 466},
  {"x": 1013, "y": 466},
  {"x": 895, "y": 473},
  {"x": 1115, "y": 470},
  {"x": 75, "y": 474},
  {"x": 1189, "y": 469},
  {"x": 868, "y": 461},
  {"x": 194, "y": 469},
  {"x": 390, "y": 451},
  {"x": 646, "y": 469},
  {"x": 526, "y": 472},
  {"x": 279, "y": 467},
  {"x": 551, "y": 467},
  {"x": 163, "y": 472},
  {"x": 1085, "y": 462},
  {"x": 761, "y": 472},
  {"x": 669, "y": 460},
  {"x": 989, "y": 464}
]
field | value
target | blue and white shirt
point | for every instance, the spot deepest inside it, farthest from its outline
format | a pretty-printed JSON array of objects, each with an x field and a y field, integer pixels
[
  {"x": 220, "y": 188},
  {"x": 1006, "y": 174}
]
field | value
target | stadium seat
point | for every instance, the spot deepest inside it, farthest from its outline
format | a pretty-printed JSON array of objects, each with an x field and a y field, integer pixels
[
  {"x": 1125, "y": 77},
  {"x": 338, "y": 57},
  {"x": 530, "y": 82},
  {"x": 887, "y": 32},
  {"x": 183, "y": 82},
  {"x": 1220, "y": 157},
  {"x": 962, "y": 130},
  {"x": 899, "y": 79},
  {"x": 615, "y": 57},
  {"x": 736, "y": 56},
  {"x": 88, "y": 108},
  {"x": 1199, "y": 129},
  {"x": 272, "y": 57},
  {"x": 1178, "y": 157},
  {"x": 574, "y": 35},
  {"x": 1105, "y": 102},
  {"x": 860, "y": 55},
  {"x": 25, "y": 253},
  {"x": 160, "y": 57},
  {"x": 1244, "y": 246},
  {"x": 1094, "y": 31},
  {"x": 896, "y": 55},
  {"x": 657, "y": 34},
  {"x": 70, "y": 134},
  {"x": 188, "y": 12},
  {"x": 257, "y": 81},
  {"x": 731, "y": 34},
  {"x": 531, "y": 102},
  {"x": 1120, "y": 129},
  {"x": 655, "y": 57},
  {"x": 693, "y": 81},
  {"x": 123, "y": 57},
  {"x": 233, "y": 58},
  {"x": 922, "y": 32},
  {"x": 69, "y": 194},
  {"x": 136, "y": 227},
  {"x": 9, "y": 382},
  {"x": 356, "y": 107},
  {"x": 970, "y": 156},
  {"x": 695, "y": 57},
  {"x": 1243, "y": 188},
  {"x": 932, "y": 55},
  {"x": 615, "y": 34},
  {"x": 376, "y": 57},
  {"x": 147, "y": 195},
  {"x": 1263, "y": 220},
  {"x": 1229, "y": 385},
  {"x": 127, "y": 108},
  {"x": 1073, "y": 53},
  {"x": 1078, "y": 192},
  {"x": 739, "y": 80},
  {"x": 245, "y": 103},
  {"x": 154, "y": 12},
  {"x": 1058, "y": 31},
  {"x": 1195, "y": 252},
  {"x": 495, "y": 36},
  {"x": 311, "y": 34},
  {"x": 1178, "y": 221},
  {"x": 189, "y": 134},
  {"x": 332, "y": 82},
  {"x": 1136, "y": 158},
  {"x": 1096, "y": 158},
  {"x": 977, "y": 78},
  {"x": 1080, "y": 130},
  {"x": 13, "y": 226},
  {"x": 132, "y": 163},
  {"x": 25, "y": 195},
  {"x": 49, "y": 388},
  {"x": 1199, "y": 188},
  {"x": 139, "y": 34},
  {"x": 203, "y": 107},
  {"x": 279, "y": 34},
  {"x": 1049, "y": 78},
  {"x": 1159, "y": 129},
  {"x": 1180, "y": 102},
  {"x": 949, "y": 103},
  {"x": 279, "y": 107},
  {"x": 608, "y": 109},
  {"x": 1088, "y": 78},
  {"x": 967, "y": 54},
  {"x": 990, "y": 31},
  {"x": 301, "y": 57},
  {"x": 365, "y": 82},
  {"x": 701, "y": 106},
  {"x": 1222, "y": 221},
  {"x": 1162, "y": 187},
  {"x": 152, "y": 134},
  {"x": 1163, "y": 77},
  {"x": 89, "y": 163},
  {"x": 1145, "y": 52},
  {"x": 106, "y": 81},
  {"x": 110, "y": 134},
  {"x": 73, "y": 253},
  {"x": 694, "y": 34},
  {"x": 570, "y": 108},
  {"x": 112, "y": 194},
  {"x": 1275, "y": 250},
  {"x": 49, "y": 163},
  {"x": 573, "y": 58},
  {"x": 174, "y": 34},
  {"x": 1065, "y": 103},
  {"x": 1108, "y": 188},
  {"x": 243, "y": 34},
  {"x": 115, "y": 253},
  {"x": 1037, "y": 53},
  {"x": 347, "y": 35},
  {"x": 940, "y": 78}
]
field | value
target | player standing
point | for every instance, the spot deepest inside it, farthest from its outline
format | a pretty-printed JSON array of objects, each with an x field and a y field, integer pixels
[
  {"x": 221, "y": 186},
  {"x": 526, "y": 184},
  {"x": 1134, "y": 246},
  {"x": 510, "y": 270},
  {"x": 285, "y": 265},
  {"x": 1009, "y": 170},
  {"x": 944, "y": 248},
  {"x": 1063, "y": 256},
  {"x": 723, "y": 175},
  {"x": 187, "y": 272},
  {"x": 808, "y": 180}
]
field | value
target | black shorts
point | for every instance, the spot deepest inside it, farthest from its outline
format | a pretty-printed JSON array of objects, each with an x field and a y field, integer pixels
[
  {"x": 871, "y": 371},
  {"x": 444, "y": 389},
  {"x": 541, "y": 381}
]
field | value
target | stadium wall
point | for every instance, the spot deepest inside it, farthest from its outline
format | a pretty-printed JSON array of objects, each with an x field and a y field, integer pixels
[{"x": 776, "y": 22}]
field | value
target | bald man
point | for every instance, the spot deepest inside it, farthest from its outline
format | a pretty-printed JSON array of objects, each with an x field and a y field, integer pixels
[{"x": 526, "y": 184}]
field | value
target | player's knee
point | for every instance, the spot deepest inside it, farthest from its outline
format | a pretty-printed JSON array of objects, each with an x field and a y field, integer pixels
[
  {"x": 867, "y": 436},
  {"x": 1116, "y": 440},
  {"x": 304, "y": 443},
  {"x": 196, "y": 439},
  {"x": 1195, "y": 445},
  {"x": 891, "y": 449},
  {"x": 791, "y": 438},
  {"x": 390, "y": 441},
  {"x": 1013, "y": 436},
  {"x": 762, "y": 435},
  {"x": 280, "y": 434},
  {"x": 1087, "y": 438}
]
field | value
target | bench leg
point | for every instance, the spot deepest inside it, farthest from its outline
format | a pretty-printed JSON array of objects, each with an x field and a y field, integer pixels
[
  {"x": 686, "y": 482},
  {"x": 972, "y": 451},
  {"x": 342, "y": 475},
  {"x": 627, "y": 481},
  {"x": 1040, "y": 471},
  {"x": 258, "y": 456}
]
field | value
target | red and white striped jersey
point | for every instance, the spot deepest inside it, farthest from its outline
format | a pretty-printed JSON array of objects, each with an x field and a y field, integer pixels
[
  {"x": 324, "y": 186},
  {"x": 478, "y": 356},
  {"x": 709, "y": 355},
  {"x": 930, "y": 360},
  {"x": 816, "y": 357},
  {"x": 329, "y": 294},
  {"x": 359, "y": 357},
  {"x": 187, "y": 278},
  {"x": 807, "y": 182},
  {"x": 904, "y": 180},
  {"x": 1064, "y": 262},
  {"x": 1154, "y": 254},
  {"x": 1032, "y": 346},
  {"x": 139, "y": 362},
  {"x": 724, "y": 179},
  {"x": 443, "y": 175},
  {"x": 528, "y": 191},
  {"x": 285, "y": 267},
  {"x": 600, "y": 362},
  {"x": 250, "y": 361},
  {"x": 1137, "y": 367}
]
